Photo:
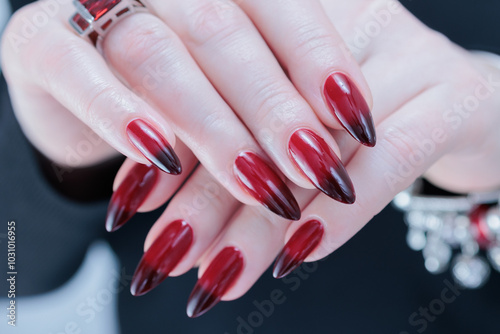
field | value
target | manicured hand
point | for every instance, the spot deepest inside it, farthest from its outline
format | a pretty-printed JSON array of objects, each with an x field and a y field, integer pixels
[
  {"x": 436, "y": 112},
  {"x": 212, "y": 73}
]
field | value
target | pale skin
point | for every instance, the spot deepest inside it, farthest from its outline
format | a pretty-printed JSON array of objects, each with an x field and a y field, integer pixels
[{"x": 435, "y": 106}]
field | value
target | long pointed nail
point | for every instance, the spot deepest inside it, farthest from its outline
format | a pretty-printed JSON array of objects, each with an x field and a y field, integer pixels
[
  {"x": 153, "y": 146},
  {"x": 298, "y": 248},
  {"x": 350, "y": 107},
  {"x": 321, "y": 166},
  {"x": 262, "y": 182},
  {"x": 130, "y": 195},
  {"x": 162, "y": 257},
  {"x": 219, "y": 277}
]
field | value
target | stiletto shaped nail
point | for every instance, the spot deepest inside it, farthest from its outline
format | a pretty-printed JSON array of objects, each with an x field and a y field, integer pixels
[
  {"x": 153, "y": 146},
  {"x": 219, "y": 277},
  {"x": 298, "y": 248},
  {"x": 350, "y": 107},
  {"x": 321, "y": 166},
  {"x": 130, "y": 195},
  {"x": 162, "y": 257},
  {"x": 262, "y": 182}
]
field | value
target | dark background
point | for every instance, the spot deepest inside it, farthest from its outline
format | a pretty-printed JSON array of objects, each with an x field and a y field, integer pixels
[{"x": 371, "y": 285}]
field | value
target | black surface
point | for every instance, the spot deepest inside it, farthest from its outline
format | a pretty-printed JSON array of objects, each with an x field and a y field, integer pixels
[{"x": 373, "y": 284}]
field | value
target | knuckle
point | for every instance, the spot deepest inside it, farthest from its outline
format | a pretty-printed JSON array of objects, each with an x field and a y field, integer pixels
[
  {"x": 92, "y": 102},
  {"x": 205, "y": 192},
  {"x": 214, "y": 194},
  {"x": 59, "y": 54},
  {"x": 271, "y": 99},
  {"x": 314, "y": 40},
  {"x": 212, "y": 20},
  {"x": 146, "y": 43},
  {"x": 56, "y": 61},
  {"x": 409, "y": 146},
  {"x": 399, "y": 142},
  {"x": 209, "y": 123},
  {"x": 270, "y": 223}
]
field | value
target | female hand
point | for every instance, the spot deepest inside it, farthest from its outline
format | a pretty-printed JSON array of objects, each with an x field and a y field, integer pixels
[
  {"x": 184, "y": 71},
  {"x": 435, "y": 109}
]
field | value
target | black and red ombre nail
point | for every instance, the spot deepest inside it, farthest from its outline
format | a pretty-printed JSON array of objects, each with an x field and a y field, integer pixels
[
  {"x": 162, "y": 257},
  {"x": 321, "y": 166},
  {"x": 130, "y": 195},
  {"x": 219, "y": 277},
  {"x": 350, "y": 108},
  {"x": 153, "y": 146},
  {"x": 262, "y": 182},
  {"x": 298, "y": 248}
]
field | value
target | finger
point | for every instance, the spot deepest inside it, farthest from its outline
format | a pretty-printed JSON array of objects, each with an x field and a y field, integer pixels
[
  {"x": 408, "y": 145},
  {"x": 201, "y": 118},
  {"x": 71, "y": 71},
  {"x": 236, "y": 59},
  {"x": 318, "y": 62},
  {"x": 191, "y": 222},
  {"x": 243, "y": 252},
  {"x": 142, "y": 188},
  {"x": 372, "y": 29}
]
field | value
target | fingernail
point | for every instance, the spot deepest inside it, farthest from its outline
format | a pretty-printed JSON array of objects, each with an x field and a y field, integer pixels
[
  {"x": 260, "y": 180},
  {"x": 298, "y": 248},
  {"x": 321, "y": 166},
  {"x": 153, "y": 146},
  {"x": 350, "y": 107},
  {"x": 162, "y": 257},
  {"x": 130, "y": 195},
  {"x": 219, "y": 277}
]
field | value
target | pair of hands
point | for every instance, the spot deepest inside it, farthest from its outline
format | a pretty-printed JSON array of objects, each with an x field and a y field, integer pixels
[{"x": 186, "y": 70}]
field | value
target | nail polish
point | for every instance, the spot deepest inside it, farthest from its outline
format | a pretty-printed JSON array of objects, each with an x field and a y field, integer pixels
[
  {"x": 153, "y": 146},
  {"x": 130, "y": 195},
  {"x": 219, "y": 277},
  {"x": 162, "y": 257},
  {"x": 317, "y": 161},
  {"x": 298, "y": 248},
  {"x": 262, "y": 182},
  {"x": 350, "y": 108}
]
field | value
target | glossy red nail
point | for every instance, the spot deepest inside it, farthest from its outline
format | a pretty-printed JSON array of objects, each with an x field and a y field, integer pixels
[
  {"x": 130, "y": 195},
  {"x": 162, "y": 257},
  {"x": 260, "y": 180},
  {"x": 350, "y": 107},
  {"x": 298, "y": 248},
  {"x": 153, "y": 146},
  {"x": 320, "y": 164},
  {"x": 219, "y": 277}
]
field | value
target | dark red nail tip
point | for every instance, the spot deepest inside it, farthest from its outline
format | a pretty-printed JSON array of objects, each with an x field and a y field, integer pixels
[
  {"x": 350, "y": 107},
  {"x": 162, "y": 257},
  {"x": 321, "y": 166},
  {"x": 153, "y": 146},
  {"x": 298, "y": 248},
  {"x": 130, "y": 195},
  {"x": 262, "y": 182},
  {"x": 219, "y": 277}
]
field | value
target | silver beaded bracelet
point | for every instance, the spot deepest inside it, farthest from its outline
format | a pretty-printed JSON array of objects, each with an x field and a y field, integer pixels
[{"x": 460, "y": 232}]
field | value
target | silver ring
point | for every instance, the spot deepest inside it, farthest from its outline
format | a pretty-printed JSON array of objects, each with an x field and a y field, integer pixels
[{"x": 94, "y": 18}]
